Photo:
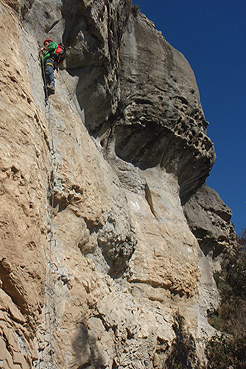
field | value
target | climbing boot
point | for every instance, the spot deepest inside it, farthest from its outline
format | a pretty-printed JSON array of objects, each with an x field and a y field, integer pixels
[{"x": 51, "y": 89}]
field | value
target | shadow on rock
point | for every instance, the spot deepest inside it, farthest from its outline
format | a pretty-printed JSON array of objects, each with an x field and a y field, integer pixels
[
  {"x": 86, "y": 349},
  {"x": 183, "y": 348}
]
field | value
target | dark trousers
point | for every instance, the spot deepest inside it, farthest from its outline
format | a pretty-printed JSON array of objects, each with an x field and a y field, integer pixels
[{"x": 49, "y": 72}]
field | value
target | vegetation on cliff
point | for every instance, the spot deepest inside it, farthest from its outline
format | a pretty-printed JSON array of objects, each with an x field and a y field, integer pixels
[{"x": 229, "y": 349}]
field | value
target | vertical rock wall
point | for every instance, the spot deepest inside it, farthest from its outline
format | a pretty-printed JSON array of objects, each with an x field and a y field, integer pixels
[
  {"x": 24, "y": 172},
  {"x": 98, "y": 265}
]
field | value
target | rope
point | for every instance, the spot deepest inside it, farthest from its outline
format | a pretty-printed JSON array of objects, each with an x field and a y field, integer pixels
[
  {"x": 45, "y": 80},
  {"x": 47, "y": 360},
  {"x": 49, "y": 288},
  {"x": 70, "y": 94},
  {"x": 50, "y": 292}
]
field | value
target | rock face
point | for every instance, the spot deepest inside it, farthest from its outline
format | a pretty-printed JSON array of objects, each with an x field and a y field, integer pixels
[
  {"x": 209, "y": 219},
  {"x": 108, "y": 236}
]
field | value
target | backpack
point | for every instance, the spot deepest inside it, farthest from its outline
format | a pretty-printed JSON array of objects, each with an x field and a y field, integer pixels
[{"x": 60, "y": 54}]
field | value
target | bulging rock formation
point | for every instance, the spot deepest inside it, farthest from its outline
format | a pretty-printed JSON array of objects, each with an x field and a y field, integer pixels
[{"x": 109, "y": 235}]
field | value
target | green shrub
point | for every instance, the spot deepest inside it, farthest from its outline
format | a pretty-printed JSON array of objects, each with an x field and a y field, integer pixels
[
  {"x": 230, "y": 351},
  {"x": 236, "y": 277},
  {"x": 135, "y": 10},
  {"x": 224, "y": 352}
]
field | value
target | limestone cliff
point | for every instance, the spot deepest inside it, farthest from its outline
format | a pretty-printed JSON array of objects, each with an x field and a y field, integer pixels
[{"x": 109, "y": 237}]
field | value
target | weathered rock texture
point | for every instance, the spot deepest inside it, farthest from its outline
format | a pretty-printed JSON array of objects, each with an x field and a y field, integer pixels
[
  {"x": 209, "y": 219},
  {"x": 99, "y": 267}
]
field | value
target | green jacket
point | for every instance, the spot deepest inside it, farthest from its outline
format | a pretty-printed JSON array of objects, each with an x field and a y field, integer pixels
[{"x": 50, "y": 52}]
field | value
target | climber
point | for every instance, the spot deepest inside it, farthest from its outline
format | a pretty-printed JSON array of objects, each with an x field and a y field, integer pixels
[
  {"x": 53, "y": 54},
  {"x": 49, "y": 63}
]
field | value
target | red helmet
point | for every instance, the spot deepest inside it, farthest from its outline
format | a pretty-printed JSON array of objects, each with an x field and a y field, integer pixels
[{"x": 47, "y": 40}]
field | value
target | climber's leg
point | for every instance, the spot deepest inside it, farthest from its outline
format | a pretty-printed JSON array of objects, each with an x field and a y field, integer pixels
[{"x": 49, "y": 74}]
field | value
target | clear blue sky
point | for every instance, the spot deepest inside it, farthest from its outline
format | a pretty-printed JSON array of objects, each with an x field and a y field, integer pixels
[{"x": 211, "y": 34}]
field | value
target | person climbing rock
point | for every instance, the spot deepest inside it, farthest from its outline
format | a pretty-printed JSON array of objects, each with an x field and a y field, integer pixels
[{"x": 48, "y": 61}]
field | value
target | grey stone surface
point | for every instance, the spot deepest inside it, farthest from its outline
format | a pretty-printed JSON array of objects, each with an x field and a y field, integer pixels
[{"x": 209, "y": 219}]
